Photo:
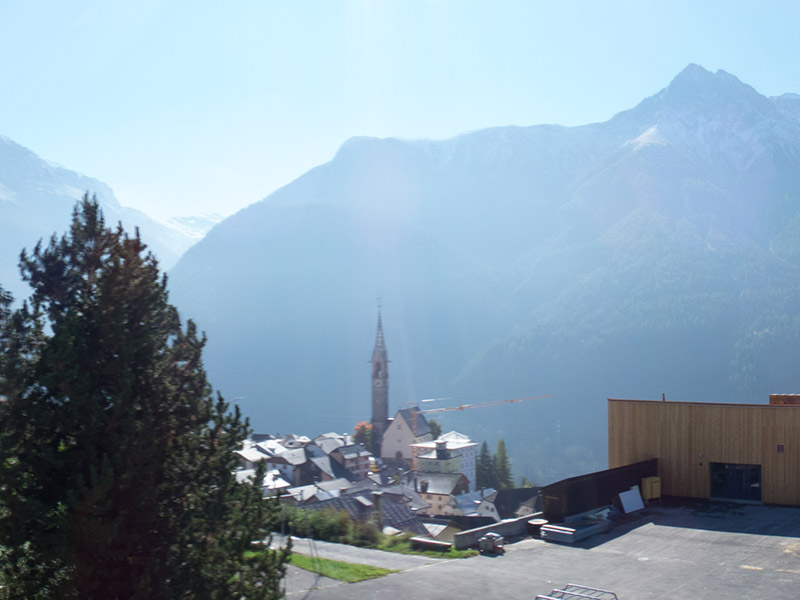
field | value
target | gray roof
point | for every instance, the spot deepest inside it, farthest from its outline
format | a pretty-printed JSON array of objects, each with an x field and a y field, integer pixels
[
  {"x": 353, "y": 451},
  {"x": 321, "y": 490},
  {"x": 422, "y": 423},
  {"x": 328, "y": 444},
  {"x": 294, "y": 457},
  {"x": 402, "y": 494},
  {"x": 468, "y": 503},
  {"x": 436, "y": 483},
  {"x": 332, "y": 469},
  {"x": 508, "y": 501},
  {"x": 362, "y": 506}
]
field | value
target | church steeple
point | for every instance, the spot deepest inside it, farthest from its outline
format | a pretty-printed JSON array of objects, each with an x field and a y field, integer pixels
[{"x": 380, "y": 383}]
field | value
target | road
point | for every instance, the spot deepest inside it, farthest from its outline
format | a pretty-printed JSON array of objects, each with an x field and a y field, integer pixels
[{"x": 700, "y": 551}]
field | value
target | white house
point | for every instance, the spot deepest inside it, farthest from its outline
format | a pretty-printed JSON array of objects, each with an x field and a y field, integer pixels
[{"x": 453, "y": 452}]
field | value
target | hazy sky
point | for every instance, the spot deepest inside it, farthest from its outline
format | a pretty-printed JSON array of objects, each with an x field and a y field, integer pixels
[{"x": 190, "y": 107}]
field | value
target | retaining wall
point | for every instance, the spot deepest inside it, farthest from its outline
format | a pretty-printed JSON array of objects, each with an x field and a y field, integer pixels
[{"x": 506, "y": 528}]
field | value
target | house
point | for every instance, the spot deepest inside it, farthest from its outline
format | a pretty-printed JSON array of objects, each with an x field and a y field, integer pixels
[
  {"x": 315, "y": 492},
  {"x": 452, "y": 452},
  {"x": 506, "y": 504},
  {"x": 438, "y": 490},
  {"x": 369, "y": 506},
  {"x": 407, "y": 428},
  {"x": 467, "y": 504},
  {"x": 328, "y": 442},
  {"x": 399, "y": 493},
  {"x": 251, "y": 454},
  {"x": 740, "y": 452},
  {"x": 441, "y": 530},
  {"x": 273, "y": 482},
  {"x": 289, "y": 463},
  {"x": 324, "y": 468},
  {"x": 355, "y": 458}
]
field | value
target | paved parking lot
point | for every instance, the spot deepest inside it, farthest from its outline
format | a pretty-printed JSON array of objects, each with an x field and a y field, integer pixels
[{"x": 687, "y": 550}]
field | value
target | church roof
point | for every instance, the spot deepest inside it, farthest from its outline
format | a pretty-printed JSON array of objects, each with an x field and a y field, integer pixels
[
  {"x": 408, "y": 414},
  {"x": 379, "y": 352}
]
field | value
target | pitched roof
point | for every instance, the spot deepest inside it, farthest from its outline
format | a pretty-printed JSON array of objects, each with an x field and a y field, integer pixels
[
  {"x": 408, "y": 414},
  {"x": 353, "y": 451},
  {"x": 468, "y": 503},
  {"x": 322, "y": 490},
  {"x": 251, "y": 453},
  {"x": 332, "y": 468},
  {"x": 508, "y": 501},
  {"x": 329, "y": 444},
  {"x": 362, "y": 506},
  {"x": 435, "y": 483},
  {"x": 272, "y": 479},
  {"x": 402, "y": 494},
  {"x": 453, "y": 441},
  {"x": 294, "y": 457}
]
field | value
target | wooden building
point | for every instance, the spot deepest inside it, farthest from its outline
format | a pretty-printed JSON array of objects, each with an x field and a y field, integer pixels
[{"x": 747, "y": 452}]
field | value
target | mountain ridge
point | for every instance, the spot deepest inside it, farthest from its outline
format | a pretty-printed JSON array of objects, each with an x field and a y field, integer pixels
[
  {"x": 36, "y": 201},
  {"x": 654, "y": 252}
]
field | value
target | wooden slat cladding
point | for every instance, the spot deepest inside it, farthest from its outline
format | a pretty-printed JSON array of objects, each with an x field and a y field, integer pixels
[{"x": 686, "y": 437}]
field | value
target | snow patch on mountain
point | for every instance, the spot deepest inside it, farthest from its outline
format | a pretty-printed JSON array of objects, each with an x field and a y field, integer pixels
[{"x": 651, "y": 137}]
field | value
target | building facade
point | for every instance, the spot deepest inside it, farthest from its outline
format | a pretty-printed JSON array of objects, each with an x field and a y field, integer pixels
[
  {"x": 453, "y": 452},
  {"x": 408, "y": 427},
  {"x": 743, "y": 452}
]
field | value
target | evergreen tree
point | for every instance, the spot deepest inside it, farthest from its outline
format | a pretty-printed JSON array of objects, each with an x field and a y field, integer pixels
[
  {"x": 484, "y": 469},
  {"x": 436, "y": 428},
  {"x": 502, "y": 467},
  {"x": 115, "y": 459}
]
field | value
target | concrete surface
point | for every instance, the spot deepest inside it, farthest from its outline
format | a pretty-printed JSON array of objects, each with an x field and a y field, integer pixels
[{"x": 702, "y": 551}]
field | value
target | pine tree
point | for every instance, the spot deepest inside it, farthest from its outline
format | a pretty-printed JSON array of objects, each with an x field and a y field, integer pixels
[
  {"x": 502, "y": 467},
  {"x": 436, "y": 428},
  {"x": 115, "y": 458},
  {"x": 484, "y": 469}
]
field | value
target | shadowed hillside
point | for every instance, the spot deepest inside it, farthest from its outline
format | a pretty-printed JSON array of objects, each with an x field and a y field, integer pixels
[{"x": 656, "y": 252}]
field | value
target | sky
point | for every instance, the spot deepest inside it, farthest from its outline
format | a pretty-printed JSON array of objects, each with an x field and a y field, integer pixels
[{"x": 190, "y": 107}]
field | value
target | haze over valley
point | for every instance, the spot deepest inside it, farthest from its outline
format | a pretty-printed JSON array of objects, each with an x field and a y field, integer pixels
[{"x": 656, "y": 252}]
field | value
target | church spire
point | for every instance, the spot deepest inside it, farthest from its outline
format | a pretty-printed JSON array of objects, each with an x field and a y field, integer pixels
[
  {"x": 380, "y": 383},
  {"x": 380, "y": 345}
]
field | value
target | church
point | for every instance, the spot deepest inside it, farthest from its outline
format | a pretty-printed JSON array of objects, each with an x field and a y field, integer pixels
[{"x": 394, "y": 436}]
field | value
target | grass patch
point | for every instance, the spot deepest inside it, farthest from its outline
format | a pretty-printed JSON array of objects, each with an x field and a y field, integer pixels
[{"x": 349, "y": 572}]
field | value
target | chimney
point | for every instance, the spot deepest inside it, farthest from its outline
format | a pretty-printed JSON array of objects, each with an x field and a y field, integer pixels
[{"x": 441, "y": 450}]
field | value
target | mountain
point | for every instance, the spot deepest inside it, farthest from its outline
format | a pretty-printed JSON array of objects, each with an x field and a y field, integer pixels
[
  {"x": 195, "y": 227},
  {"x": 37, "y": 198},
  {"x": 657, "y": 252}
]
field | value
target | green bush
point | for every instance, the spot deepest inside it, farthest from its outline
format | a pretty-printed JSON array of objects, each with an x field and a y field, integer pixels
[{"x": 328, "y": 526}]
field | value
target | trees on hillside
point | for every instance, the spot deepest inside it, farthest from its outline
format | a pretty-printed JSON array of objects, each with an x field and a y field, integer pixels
[
  {"x": 115, "y": 458},
  {"x": 483, "y": 468},
  {"x": 502, "y": 467},
  {"x": 493, "y": 471}
]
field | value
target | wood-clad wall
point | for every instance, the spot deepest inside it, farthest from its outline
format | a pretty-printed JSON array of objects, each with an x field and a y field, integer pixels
[{"x": 686, "y": 437}]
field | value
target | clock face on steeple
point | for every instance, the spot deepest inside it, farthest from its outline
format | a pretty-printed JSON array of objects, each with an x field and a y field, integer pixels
[{"x": 377, "y": 383}]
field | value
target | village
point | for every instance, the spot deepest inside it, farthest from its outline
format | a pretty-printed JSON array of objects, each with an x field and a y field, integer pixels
[{"x": 410, "y": 482}]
